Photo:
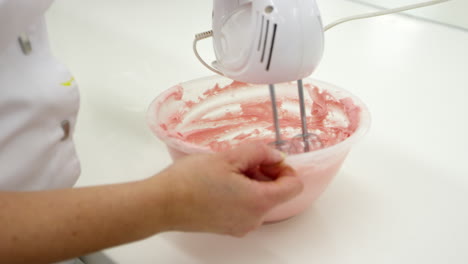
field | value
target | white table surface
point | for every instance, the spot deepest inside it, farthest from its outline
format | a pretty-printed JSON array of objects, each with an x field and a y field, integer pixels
[{"x": 402, "y": 195}]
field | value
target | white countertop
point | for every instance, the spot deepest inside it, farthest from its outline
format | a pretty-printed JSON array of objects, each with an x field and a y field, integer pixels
[{"x": 402, "y": 194}]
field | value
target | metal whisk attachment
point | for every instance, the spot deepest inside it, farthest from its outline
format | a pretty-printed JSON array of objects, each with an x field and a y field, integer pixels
[
  {"x": 301, "y": 143},
  {"x": 279, "y": 143}
]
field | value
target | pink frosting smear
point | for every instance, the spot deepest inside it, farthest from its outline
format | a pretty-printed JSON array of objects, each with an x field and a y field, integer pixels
[{"x": 219, "y": 120}]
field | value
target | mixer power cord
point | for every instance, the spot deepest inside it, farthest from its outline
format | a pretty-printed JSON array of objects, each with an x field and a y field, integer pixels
[
  {"x": 198, "y": 37},
  {"x": 382, "y": 13},
  {"x": 208, "y": 34}
]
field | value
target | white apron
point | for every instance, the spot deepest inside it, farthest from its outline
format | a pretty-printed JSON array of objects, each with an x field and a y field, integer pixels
[{"x": 38, "y": 104}]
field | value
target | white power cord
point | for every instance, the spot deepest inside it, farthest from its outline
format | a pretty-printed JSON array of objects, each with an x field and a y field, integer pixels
[
  {"x": 208, "y": 34},
  {"x": 384, "y": 12},
  {"x": 198, "y": 37}
]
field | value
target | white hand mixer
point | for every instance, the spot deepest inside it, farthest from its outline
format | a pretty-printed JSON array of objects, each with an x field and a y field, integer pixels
[{"x": 273, "y": 41}]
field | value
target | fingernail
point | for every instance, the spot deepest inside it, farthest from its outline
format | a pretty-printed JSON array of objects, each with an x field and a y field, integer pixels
[
  {"x": 283, "y": 155},
  {"x": 279, "y": 155}
]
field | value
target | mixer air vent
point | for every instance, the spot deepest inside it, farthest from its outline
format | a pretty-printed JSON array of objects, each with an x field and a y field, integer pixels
[
  {"x": 272, "y": 46},
  {"x": 264, "y": 33}
]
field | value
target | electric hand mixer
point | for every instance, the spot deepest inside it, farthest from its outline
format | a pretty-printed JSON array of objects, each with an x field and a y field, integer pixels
[{"x": 273, "y": 41}]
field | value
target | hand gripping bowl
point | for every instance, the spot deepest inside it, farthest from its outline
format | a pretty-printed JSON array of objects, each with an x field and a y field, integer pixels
[{"x": 214, "y": 114}]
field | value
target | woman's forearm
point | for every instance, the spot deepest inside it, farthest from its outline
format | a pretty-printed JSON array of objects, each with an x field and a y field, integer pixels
[
  {"x": 200, "y": 193},
  {"x": 43, "y": 227}
]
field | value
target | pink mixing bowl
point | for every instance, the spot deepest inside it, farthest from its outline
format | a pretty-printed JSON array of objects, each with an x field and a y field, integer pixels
[{"x": 316, "y": 168}]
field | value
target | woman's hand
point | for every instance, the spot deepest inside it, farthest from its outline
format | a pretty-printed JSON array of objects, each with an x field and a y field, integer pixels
[{"x": 227, "y": 193}]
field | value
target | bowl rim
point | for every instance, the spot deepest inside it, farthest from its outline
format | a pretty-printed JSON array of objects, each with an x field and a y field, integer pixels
[{"x": 190, "y": 148}]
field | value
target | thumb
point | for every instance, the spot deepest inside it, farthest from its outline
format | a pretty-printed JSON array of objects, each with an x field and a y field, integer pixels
[
  {"x": 287, "y": 186},
  {"x": 251, "y": 156}
]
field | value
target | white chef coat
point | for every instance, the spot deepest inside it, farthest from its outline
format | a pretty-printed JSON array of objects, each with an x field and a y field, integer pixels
[{"x": 39, "y": 103}]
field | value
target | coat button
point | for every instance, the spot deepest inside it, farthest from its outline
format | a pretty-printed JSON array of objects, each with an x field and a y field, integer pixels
[
  {"x": 25, "y": 44},
  {"x": 66, "y": 129}
]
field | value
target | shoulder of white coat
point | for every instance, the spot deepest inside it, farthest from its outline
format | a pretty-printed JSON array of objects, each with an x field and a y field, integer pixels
[{"x": 17, "y": 15}]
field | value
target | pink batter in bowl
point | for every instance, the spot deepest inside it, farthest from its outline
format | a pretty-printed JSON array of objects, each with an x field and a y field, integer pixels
[{"x": 214, "y": 114}]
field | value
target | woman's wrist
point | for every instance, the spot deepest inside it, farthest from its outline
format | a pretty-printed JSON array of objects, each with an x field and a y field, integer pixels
[{"x": 158, "y": 201}]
